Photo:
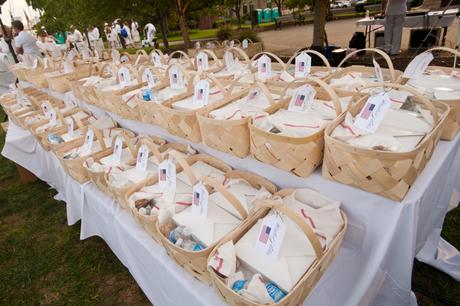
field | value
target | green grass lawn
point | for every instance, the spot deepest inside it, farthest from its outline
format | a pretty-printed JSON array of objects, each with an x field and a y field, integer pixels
[{"x": 42, "y": 260}]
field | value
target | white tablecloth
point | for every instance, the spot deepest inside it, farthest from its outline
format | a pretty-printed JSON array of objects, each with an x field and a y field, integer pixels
[
  {"x": 373, "y": 267},
  {"x": 433, "y": 19}
]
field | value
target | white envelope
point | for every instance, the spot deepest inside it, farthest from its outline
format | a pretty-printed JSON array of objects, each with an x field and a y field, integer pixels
[
  {"x": 217, "y": 224},
  {"x": 201, "y": 169}
]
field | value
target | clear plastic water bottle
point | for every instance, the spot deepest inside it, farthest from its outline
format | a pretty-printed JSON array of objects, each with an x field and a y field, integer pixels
[{"x": 275, "y": 293}]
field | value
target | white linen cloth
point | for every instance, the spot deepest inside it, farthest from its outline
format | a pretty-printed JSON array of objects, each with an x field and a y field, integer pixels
[{"x": 364, "y": 272}]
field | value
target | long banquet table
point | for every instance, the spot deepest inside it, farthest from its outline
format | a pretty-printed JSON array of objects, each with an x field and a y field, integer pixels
[{"x": 373, "y": 266}]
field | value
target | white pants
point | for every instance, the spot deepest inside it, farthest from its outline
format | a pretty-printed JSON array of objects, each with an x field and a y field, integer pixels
[{"x": 393, "y": 32}]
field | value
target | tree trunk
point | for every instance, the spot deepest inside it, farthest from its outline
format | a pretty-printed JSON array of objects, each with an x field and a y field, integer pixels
[
  {"x": 319, "y": 23},
  {"x": 163, "y": 29},
  {"x": 238, "y": 15},
  {"x": 184, "y": 31},
  {"x": 279, "y": 5}
]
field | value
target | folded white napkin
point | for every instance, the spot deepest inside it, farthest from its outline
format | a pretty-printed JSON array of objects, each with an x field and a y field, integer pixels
[{"x": 224, "y": 260}]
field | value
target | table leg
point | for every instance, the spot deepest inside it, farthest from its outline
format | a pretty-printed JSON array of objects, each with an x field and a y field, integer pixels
[{"x": 444, "y": 33}]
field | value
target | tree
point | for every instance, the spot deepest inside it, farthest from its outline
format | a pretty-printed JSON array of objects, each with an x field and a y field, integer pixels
[
  {"x": 279, "y": 4},
  {"x": 182, "y": 7},
  {"x": 319, "y": 22}
]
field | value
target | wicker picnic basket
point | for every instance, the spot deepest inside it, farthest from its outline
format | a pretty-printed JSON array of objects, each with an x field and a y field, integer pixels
[
  {"x": 35, "y": 76},
  {"x": 184, "y": 123},
  {"x": 61, "y": 82},
  {"x": 99, "y": 178},
  {"x": 149, "y": 222},
  {"x": 253, "y": 48},
  {"x": 278, "y": 67},
  {"x": 112, "y": 100},
  {"x": 182, "y": 59},
  {"x": 74, "y": 167},
  {"x": 224, "y": 74},
  {"x": 79, "y": 90},
  {"x": 390, "y": 75},
  {"x": 141, "y": 57},
  {"x": 311, "y": 277},
  {"x": 90, "y": 93},
  {"x": 150, "y": 111},
  {"x": 163, "y": 57},
  {"x": 195, "y": 262},
  {"x": 389, "y": 174},
  {"x": 78, "y": 125},
  {"x": 154, "y": 144},
  {"x": 452, "y": 125},
  {"x": 231, "y": 136},
  {"x": 298, "y": 155},
  {"x": 42, "y": 137}
]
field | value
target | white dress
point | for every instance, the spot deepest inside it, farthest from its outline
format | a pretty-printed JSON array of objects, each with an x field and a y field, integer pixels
[
  {"x": 135, "y": 32},
  {"x": 128, "y": 39}
]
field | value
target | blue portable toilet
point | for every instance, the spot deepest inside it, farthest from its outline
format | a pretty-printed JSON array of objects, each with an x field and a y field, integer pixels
[
  {"x": 259, "y": 16},
  {"x": 275, "y": 13},
  {"x": 267, "y": 15}
]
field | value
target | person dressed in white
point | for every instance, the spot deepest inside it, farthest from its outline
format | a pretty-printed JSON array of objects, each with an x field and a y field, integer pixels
[
  {"x": 94, "y": 38},
  {"x": 395, "y": 13},
  {"x": 77, "y": 37},
  {"x": 150, "y": 32},
  {"x": 135, "y": 32},
  {"x": 116, "y": 30},
  {"x": 24, "y": 42},
  {"x": 128, "y": 38}
]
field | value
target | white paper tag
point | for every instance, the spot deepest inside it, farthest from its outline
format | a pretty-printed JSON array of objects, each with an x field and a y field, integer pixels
[
  {"x": 229, "y": 59},
  {"x": 418, "y": 65},
  {"x": 302, "y": 65},
  {"x": 68, "y": 67},
  {"x": 271, "y": 235},
  {"x": 197, "y": 45},
  {"x": 202, "y": 61},
  {"x": 373, "y": 112},
  {"x": 124, "y": 76},
  {"x": 89, "y": 139},
  {"x": 35, "y": 64},
  {"x": 264, "y": 67},
  {"x": 167, "y": 174},
  {"x": 378, "y": 71},
  {"x": 245, "y": 43},
  {"x": 232, "y": 44},
  {"x": 142, "y": 158},
  {"x": 176, "y": 78},
  {"x": 53, "y": 117},
  {"x": 70, "y": 125},
  {"x": 201, "y": 94},
  {"x": 117, "y": 149},
  {"x": 46, "y": 63},
  {"x": 302, "y": 99},
  {"x": 156, "y": 59},
  {"x": 45, "y": 108},
  {"x": 200, "y": 200},
  {"x": 147, "y": 76}
]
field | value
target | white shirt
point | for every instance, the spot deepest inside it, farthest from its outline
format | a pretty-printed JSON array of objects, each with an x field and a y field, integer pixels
[
  {"x": 4, "y": 46},
  {"x": 151, "y": 30},
  {"x": 134, "y": 26},
  {"x": 77, "y": 36},
  {"x": 27, "y": 42},
  {"x": 94, "y": 34}
]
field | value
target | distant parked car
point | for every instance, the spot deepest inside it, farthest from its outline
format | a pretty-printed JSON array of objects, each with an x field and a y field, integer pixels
[
  {"x": 346, "y": 4},
  {"x": 359, "y": 2}
]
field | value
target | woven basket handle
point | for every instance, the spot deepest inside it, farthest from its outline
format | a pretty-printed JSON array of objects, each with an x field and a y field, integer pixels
[
  {"x": 424, "y": 100},
  {"x": 103, "y": 69},
  {"x": 184, "y": 72},
  {"x": 255, "y": 57},
  {"x": 128, "y": 143},
  {"x": 320, "y": 55},
  {"x": 237, "y": 81},
  {"x": 301, "y": 223},
  {"x": 141, "y": 52},
  {"x": 212, "y": 182},
  {"x": 331, "y": 93},
  {"x": 254, "y": 179},
  {"x": 160, "y": 53},
  {"x": 241, "y": 53},
  {"x": 450, "y": 50},
  {"x": 99, "y": 136},
  {"x": 380, "y": 52},
  {"x": 152, "y": 148},
  {"x": 78, "y": 122},
  {"x": 204, "y": 75},
  {"x": 185, "y": 166},
  {"x": 265, "y": 91},
  {"x": 183, "y": 54},
  {"x": 152, "y": 68}
]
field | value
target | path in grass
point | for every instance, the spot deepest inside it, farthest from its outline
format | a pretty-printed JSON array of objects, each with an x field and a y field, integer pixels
[{"x": 43, "y": 261}]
